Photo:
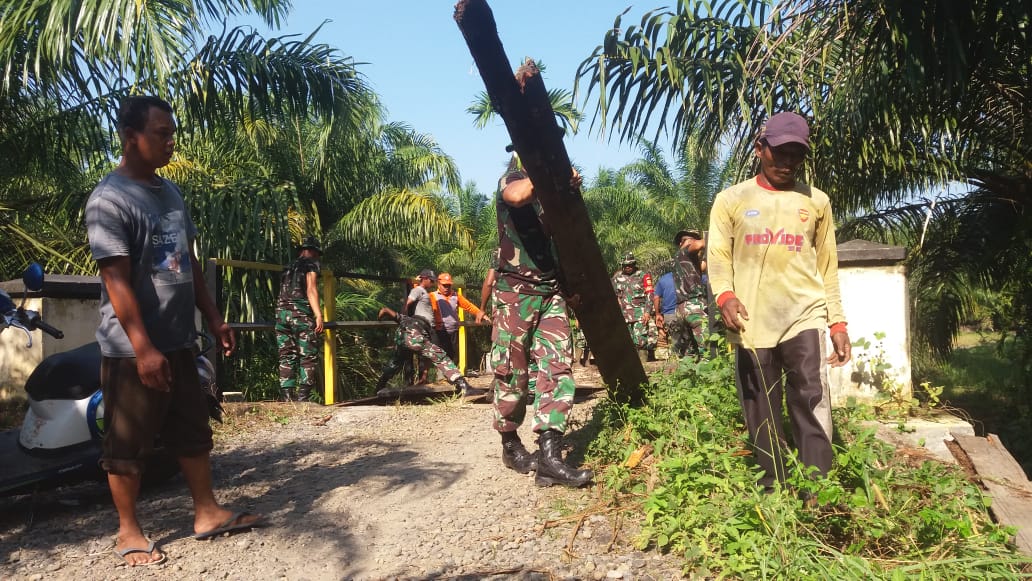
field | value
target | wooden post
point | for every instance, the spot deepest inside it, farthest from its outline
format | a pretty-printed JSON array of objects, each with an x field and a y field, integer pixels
[{"x": 523, "y": 104}]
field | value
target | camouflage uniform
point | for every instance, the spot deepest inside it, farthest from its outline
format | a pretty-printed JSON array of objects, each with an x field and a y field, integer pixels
[
  {"x": 687, "y": 326},
  {"x": 530, "y": 322},
  {"x": 414, "y": 337},
  {"x": 295, "y": 329},
  {"x": 631, "y": 291},
  {"x": 651, "y": 329}
]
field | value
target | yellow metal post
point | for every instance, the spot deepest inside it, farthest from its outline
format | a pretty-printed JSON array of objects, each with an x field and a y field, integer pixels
[
  {"x": 329, "y": 342},
  {"x": 462, "y": 340}
]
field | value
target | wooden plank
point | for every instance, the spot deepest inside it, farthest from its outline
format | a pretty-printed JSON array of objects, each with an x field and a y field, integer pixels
[
  {"x": 992, "y": 460},
  {"x": 1006, "y": 483},
  {"x": 522, "y": 102}
]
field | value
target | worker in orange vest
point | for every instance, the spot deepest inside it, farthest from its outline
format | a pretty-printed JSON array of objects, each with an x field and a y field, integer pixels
[{"x": 446, "y": 304}]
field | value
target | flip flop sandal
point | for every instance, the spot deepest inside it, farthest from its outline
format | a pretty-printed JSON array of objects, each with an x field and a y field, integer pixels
[
  {"x": 228, "y": 526},
  {"x": 148, "y": 549}
]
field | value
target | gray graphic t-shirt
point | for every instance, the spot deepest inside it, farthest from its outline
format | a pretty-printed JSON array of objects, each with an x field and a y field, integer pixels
[
  {"x": 423, "y": 309},
  {"x": 150, "y": 225}
]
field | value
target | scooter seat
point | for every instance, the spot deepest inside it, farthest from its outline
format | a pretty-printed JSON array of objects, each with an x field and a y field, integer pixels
[{"x": 73, "y": 374}]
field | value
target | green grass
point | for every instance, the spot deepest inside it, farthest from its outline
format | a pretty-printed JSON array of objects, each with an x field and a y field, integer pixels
[
  {"x": 984, "y": 380},
  {"x": 878, "y": 514},
  {"x": 978, "y": 366}
]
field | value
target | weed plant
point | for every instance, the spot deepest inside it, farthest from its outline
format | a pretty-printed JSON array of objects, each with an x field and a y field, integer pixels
[{"x": 682, "y": 461}]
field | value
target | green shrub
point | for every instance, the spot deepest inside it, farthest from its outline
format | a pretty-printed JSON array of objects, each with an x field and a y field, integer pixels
[{"x": 682, "y": 461}]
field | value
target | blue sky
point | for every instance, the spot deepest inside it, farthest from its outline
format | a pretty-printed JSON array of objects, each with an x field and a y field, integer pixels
[{"x": 419, "y": 64}]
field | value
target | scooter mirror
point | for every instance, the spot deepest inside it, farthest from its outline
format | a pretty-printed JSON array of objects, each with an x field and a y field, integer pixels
[{"x": 33, "y": 277}]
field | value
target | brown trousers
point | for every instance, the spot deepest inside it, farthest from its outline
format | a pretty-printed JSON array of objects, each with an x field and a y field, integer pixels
[
  {"x": 796, "y": 371},
  {"x": 136, "y": 415}
]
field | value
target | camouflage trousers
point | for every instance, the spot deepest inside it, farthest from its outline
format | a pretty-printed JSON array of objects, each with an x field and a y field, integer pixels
[
  {"x": 298, "y": 347},
  {"x": 580, "y": 345},
  {"x": 651, "y": 334},
  {"x": 531, "y": 328},
  {"x": 414, "y": 337},
  {"x": 686, "y": 328},
  {"x": 644, "y": 335}
]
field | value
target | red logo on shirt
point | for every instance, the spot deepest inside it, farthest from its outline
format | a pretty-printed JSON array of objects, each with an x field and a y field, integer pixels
[
  {"x": 804, "y": 214},
  {"x": 793, "y": 242}
]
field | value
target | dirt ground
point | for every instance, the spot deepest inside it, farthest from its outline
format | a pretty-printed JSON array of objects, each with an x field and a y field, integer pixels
[{"x": 400, "y": 491}]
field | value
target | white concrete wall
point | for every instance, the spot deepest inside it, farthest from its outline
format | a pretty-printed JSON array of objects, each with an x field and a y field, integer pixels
[
  {"x": 78, "y": 318},
  {"x": 875, "y": 299}
]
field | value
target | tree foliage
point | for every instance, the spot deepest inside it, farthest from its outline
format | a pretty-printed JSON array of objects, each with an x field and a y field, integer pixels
[{"x": 67, "y": 63}]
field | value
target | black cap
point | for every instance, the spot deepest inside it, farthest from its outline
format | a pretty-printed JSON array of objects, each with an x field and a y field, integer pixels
[
  {"x": 690, "y": 232},
  {"x": 311, "y": 243},
  {"x": 427, "y": 273}
]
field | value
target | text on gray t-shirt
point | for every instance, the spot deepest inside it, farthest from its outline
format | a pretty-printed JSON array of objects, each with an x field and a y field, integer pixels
[{"x": 150, "y": 225}]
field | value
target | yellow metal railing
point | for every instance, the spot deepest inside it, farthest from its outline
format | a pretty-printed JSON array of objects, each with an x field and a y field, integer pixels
[
  {"x": 329, "y": 307},
  {"x": 329, "y": 299}
]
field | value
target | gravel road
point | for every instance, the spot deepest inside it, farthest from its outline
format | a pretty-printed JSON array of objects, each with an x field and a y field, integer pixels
[{"x": 401, "y": 491}]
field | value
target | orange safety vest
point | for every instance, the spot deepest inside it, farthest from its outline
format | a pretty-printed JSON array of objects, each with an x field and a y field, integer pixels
[{"x": 463, "y": 304}]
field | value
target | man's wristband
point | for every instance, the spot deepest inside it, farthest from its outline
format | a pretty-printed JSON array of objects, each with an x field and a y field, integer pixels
[
  {"x": 725, "y": 297},
  {"x": 838, "y": 328}
]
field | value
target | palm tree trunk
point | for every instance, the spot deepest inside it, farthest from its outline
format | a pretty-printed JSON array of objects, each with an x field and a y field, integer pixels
[{"x": 524, "y": 104}]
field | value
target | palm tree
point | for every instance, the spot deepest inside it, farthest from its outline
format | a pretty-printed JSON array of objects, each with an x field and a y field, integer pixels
[
  {"x": 686, "y": 190},
  {"x": 626, "y": 219},
  {"x": 561, "y": 100},
  {"x": 408, "y": 208},
  {"x": 566, "y": 113},
  {"x": 66, "y": 63}
]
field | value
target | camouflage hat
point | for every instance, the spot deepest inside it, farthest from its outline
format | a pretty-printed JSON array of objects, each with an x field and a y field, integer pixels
[
  {"x": 629, "y": 259},
  {"x": 690, "y": 232},
  {"x": 311, "y": 243}
]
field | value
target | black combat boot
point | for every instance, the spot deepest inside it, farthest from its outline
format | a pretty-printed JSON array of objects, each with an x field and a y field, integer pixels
[
  {"x": 303, "y": 394},
  {"x": 463, "y": 388},
  {"x": 288, "y": 395},
  {"x": 516, "y": 456},
  {"x": 551, "y": 469}
]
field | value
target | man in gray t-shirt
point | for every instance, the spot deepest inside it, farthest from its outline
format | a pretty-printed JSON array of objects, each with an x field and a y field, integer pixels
[
  {"x": 149, "y": 224},
  {"x": 418, "y": 302},
  {"x": 414, "y": 335},
  {"x": 140, "y": 234}
]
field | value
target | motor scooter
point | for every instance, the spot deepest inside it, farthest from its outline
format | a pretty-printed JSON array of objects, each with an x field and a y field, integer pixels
[{"x": 60, "y": 439}]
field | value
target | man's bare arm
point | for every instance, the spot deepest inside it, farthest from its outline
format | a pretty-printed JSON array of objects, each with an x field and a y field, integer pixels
[
  {"x": 311, "y": 283},
  {"x": 224, "y": 335}
]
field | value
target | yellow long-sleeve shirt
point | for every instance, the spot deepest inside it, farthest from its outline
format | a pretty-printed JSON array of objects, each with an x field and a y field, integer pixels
[{"x": 776, "y": 251}]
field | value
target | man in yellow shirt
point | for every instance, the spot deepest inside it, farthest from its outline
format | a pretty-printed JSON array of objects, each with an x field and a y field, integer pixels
[{"x": 772, "y": 248}]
